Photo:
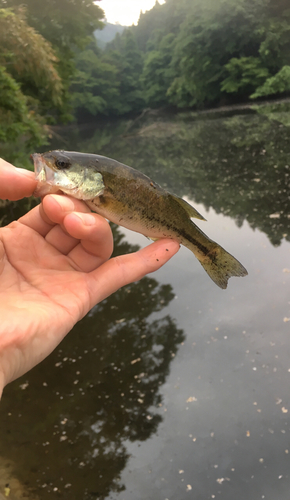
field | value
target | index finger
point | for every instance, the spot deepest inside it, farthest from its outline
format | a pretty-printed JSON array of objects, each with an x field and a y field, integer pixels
[{"x": 15, "y": 183}]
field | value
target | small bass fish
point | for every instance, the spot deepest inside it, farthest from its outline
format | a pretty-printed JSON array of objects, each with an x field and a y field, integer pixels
[{"x": 129, "y": 198}]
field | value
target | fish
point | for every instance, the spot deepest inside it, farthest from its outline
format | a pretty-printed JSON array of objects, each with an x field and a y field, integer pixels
[{"x": 130, "y": 199}]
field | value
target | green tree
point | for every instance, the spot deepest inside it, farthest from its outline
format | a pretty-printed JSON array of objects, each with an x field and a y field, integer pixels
[
  {"x": 267, "y": 73},
  {"x": 212, "y": 34},
  {"x": 164, "y": 19},
  {"x": 274, "y": 30},
  {"x": 95, "y": 87},
  {"x": 277, "y": 84},
  {"x": 15, "y": 117},
  {"x": 30, "y": 59},
  {"x": 67, "y": 25},
  {"x": 244, "y": 75},
  {"x": 108, "y": 83},
  {"x": 128, "y": 61},
  {"x": 157, "y": 72},
  {"x": 26, "y": 60}
]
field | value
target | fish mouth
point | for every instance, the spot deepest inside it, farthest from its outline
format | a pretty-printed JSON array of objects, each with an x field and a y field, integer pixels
[
  {"x": 44, "y": 175},
  {"x": 42, "y": 172}
]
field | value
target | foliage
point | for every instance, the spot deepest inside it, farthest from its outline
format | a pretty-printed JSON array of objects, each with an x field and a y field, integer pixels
[
  {"x": 204, "y": 52},
  {"x": 15, "y": 117},
  {"x": 162, "y": 19},
  {"x": 36, "y": 66},
  {"x": 26, "y": 60},
  {"x": 244, "y": 75},
  {"x": 29, "y": 56},
  {"x": 109, "y": 82},
  {"x": 190, "y": 53},
  {"x": 157, "y": 71},
  {"x": 95, "y": 85},
  {"x": 67, "y": 25},
  {"x": 277, "y": 84},
  {"x": 107, "y": 34},
  {"x": 129, "y": 63},
  {"x": 210, "y": 37},
  {"x": 275, "y": 44}
]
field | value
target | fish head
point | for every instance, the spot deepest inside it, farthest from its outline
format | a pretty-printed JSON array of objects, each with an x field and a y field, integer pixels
[{"x": 67, "y": 172}]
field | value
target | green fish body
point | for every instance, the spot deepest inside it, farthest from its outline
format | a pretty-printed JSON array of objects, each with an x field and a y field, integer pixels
[{"x": 129, "y": 198}]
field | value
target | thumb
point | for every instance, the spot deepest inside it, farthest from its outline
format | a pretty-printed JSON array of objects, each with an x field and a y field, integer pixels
[{"x": 16, "y": 183}]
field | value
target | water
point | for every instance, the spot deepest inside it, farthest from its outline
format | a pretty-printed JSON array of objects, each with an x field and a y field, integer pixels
[{"x": 173, "y": 388}]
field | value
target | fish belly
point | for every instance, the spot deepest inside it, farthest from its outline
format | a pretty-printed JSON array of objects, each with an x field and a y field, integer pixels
[
  {"x": 216, "y": 261},
  {"x": 148, "y": 226}
]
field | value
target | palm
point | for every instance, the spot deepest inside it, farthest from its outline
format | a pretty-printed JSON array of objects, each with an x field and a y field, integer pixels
[
  {"x": 48, "y": 264},
  {"x": 37, "y": 273},
  {"x": 54, "y": 266}
]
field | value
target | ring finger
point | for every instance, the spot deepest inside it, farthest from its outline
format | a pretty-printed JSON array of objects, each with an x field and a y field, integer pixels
[
  {"x": 96, "y": 240},
  {"x": 61, "y": 240}
]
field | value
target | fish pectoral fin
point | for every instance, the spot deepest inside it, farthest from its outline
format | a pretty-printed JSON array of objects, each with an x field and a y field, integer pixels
[{"x": 191, "y": 211}]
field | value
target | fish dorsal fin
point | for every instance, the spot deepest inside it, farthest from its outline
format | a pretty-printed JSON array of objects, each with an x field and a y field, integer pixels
[{"x": 190, "y": 210}]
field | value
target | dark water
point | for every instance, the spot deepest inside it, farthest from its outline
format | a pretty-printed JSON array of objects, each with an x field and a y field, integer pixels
[{"x": 172, "y": 388}]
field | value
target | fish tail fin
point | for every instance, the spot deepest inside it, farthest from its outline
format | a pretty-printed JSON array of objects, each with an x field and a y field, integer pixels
[{"x": 220, "y": 266}]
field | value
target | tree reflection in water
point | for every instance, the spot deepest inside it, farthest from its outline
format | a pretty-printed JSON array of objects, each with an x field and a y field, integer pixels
[{"x": 99, "y": 389}]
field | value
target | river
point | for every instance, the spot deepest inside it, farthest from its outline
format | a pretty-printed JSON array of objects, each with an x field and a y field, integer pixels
[{"x": 173, "y": 389}]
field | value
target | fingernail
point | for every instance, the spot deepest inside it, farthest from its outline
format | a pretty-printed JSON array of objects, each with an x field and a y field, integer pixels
[{"x": 87, "y": 219}]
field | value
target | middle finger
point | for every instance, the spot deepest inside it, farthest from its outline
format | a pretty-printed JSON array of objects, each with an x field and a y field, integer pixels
[{"x": 51, "y": 211}]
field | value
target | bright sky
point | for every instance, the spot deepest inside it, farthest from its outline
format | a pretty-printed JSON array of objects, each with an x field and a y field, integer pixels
[{"x": 125, "y": 12}]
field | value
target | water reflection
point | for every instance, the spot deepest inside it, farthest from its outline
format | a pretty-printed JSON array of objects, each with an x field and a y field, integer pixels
[
  {"x": 13, "y": 210},
  {"x": 65, "y": 432}
]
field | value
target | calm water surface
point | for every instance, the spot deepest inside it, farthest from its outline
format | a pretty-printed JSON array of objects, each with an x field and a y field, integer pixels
[{"x": 172, "y": 388}]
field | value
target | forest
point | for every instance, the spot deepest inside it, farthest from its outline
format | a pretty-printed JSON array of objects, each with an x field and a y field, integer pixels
[{"x": 183, "y": 54}]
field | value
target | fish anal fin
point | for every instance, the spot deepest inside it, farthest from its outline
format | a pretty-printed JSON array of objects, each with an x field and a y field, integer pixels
[{"x": 190, "y": 210}]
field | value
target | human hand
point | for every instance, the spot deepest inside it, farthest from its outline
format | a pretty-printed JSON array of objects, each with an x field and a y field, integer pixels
[{"x": 54, "y": 267}]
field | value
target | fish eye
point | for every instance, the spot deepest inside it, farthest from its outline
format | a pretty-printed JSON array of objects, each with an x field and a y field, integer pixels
[{"x": 62, "y": 164}]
